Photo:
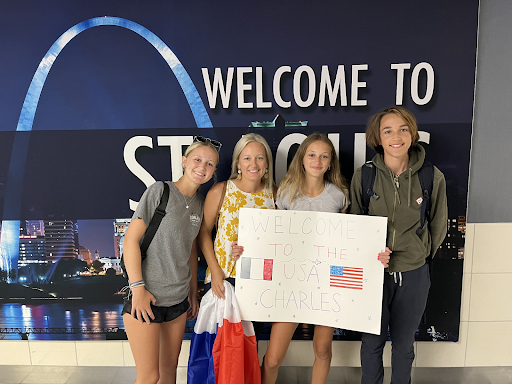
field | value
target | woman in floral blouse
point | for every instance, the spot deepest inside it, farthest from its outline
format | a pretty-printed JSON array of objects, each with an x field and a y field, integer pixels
[{"x": 249, "y": 186}]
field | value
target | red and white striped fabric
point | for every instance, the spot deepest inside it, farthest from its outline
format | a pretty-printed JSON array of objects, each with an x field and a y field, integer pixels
[{"x": 223, "y": 347}]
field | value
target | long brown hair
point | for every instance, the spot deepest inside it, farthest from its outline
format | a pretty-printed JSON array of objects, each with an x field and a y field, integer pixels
[
  {"x": 292, "y": 185},
  {"x": 373, "y": 127}
]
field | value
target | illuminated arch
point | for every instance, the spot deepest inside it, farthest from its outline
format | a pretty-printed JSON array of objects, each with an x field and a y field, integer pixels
[
  {"x": 188, "y": 87},
  {"x": 9, "y": 241}
]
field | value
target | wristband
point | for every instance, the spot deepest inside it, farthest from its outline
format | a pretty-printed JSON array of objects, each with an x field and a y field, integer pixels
[{"x": 136, "y": 284}]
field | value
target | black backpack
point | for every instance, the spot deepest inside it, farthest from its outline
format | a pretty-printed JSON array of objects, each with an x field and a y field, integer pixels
[
  {"x": 152, "y": 228},
  {"x": 426, "y": 176}
]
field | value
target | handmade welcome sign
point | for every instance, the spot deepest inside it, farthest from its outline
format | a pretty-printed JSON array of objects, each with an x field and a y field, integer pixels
[{"x": 311, "y": 267}]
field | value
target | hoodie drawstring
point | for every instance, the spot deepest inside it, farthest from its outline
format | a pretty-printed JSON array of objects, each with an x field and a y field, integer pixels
[
  {"x": 394, "y": 274},
  {"x": 394, "y": 181}
]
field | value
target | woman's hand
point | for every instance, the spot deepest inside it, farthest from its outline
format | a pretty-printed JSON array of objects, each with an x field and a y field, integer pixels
[
  {"x": 193, "y": 309},
  {"x": 236, "y": 250},
  {"x": 384, "y": 257},
  {"x": 141, "y": 304},
  {"x": 218, "y": 282}
]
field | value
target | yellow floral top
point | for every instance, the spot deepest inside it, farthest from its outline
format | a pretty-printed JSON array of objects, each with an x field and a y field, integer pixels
[{"x": 227, "y": 228}]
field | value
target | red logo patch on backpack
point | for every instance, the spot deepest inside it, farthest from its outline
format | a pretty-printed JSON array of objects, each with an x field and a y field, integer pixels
[{"x": 419, "y": 200}]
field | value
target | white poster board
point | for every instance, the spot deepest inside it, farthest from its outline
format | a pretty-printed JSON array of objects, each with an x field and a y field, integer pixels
[{"x": 311, "y": 267}]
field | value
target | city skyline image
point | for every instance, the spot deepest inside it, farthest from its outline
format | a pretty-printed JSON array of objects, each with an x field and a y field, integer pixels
[{"x": 49, "y": 241}]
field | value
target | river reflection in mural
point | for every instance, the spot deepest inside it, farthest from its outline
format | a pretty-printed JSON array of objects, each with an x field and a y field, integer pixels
[{"x": 70, "y": 315}]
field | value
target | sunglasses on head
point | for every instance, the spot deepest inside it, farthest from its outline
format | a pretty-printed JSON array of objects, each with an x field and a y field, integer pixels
[{"x": 215, "y": 143}]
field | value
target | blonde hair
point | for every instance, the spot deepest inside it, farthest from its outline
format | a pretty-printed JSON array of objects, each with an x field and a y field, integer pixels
[
  {"x": 197, "y": 144},
  {"x": 239, "y": 147},
  {"x": 373, "y": 127},
  {"x": 294, "y": 181}
]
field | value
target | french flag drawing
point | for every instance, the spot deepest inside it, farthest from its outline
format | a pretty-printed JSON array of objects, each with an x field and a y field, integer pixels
[
  {"x": 346, "y": 277},
  {"x": 223, "y": 347},
  {"x": 256, "y": 268}
]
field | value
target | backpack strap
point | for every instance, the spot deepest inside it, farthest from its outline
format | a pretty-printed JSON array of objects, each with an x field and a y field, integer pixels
[
  {"x": 368, "y": 172},
  {"x": 155, "y": 222},
  {"x": 426, "y": 176},
  {"x": 224, "y": 184}
]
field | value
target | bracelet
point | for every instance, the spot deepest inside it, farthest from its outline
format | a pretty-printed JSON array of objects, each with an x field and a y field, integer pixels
[{"x": 136, "y": 284}]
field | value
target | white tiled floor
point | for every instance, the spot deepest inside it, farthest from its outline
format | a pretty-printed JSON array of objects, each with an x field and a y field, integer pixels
[{"x": 287, "y": 375}]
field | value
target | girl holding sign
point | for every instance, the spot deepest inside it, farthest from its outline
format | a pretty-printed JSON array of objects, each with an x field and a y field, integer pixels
[
  {"x": 398, "y": 194},
  {"x": 313, "y": 183}
]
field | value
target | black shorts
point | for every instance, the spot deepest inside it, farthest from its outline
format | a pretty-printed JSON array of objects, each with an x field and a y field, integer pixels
[{"x": 162, "y": 314}]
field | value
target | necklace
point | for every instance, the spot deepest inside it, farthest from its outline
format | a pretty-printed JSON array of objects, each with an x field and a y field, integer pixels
[
  {"x": 311, "y": 199},
  {"x": 187, "y": 204}
]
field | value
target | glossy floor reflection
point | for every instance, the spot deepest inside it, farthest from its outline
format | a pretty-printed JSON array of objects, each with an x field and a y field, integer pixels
[{"x": 287, "y": 375}]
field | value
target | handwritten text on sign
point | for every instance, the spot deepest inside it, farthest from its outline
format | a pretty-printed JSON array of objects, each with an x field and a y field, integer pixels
[{"x": 311, "y": 267}]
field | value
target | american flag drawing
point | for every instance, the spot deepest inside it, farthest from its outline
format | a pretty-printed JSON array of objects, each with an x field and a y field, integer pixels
[{"x": 346, "y": 277}]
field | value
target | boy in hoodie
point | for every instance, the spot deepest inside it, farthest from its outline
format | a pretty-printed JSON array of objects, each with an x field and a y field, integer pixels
[{"x": 393, "y": 134}]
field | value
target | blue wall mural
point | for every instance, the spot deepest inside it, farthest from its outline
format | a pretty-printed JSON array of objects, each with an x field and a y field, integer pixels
[{"x": 91, "y": 116}]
